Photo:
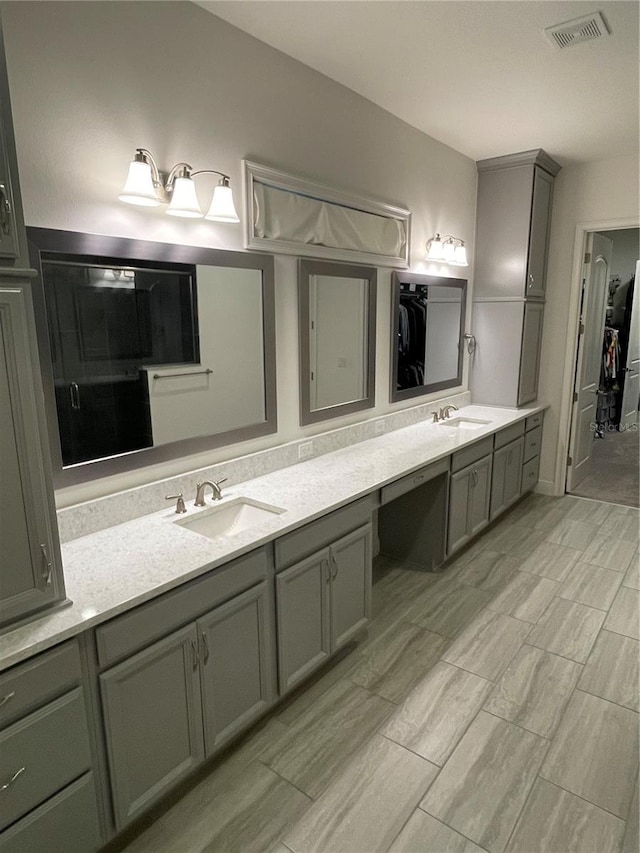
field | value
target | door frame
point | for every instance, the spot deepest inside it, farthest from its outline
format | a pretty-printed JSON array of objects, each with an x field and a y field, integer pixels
[{"x": 571, "y": 351}]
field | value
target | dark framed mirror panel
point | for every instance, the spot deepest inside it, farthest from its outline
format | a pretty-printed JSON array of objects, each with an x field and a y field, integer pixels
[
  {"x": 150, "y": 351},
  {"x": 428, "y": 315},
  {"x": 337, "y": 336}
]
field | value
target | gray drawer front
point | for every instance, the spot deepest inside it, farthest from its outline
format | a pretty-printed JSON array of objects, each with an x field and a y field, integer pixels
[
  {"x": 310, "y": 538},
  {"x": 67, "y": 822},
  {"x": 530, "y": 473},
  {"x": 52, "y": 745},
  {"x": 532, "y": 442},
  {"x": 24, "y": 688},
  {"x": 533, "y": 421},
  {"x": 508, "y": 434},
  {"x": 150, "y": 622},
  {"x": 471, "y": 454},
  {"x": 412, "y": 481}
]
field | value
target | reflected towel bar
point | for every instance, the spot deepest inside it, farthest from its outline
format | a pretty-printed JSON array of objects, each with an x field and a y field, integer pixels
[{"x": 174, "y": 375}]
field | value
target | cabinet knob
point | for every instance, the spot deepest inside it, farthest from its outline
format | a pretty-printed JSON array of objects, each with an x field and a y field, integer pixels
[{"x": 532, "y": 280}]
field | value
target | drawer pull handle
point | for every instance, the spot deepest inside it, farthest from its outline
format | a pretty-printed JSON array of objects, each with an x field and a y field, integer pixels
[
  {"x": 205, "y": 647},
  {"x": 47, "y": 567},
  {"x": 5, "y": 210},
  {"x": 334, "y": 563},
  {"x": 326, "y": 571},
  {"x": 194, "y": 654},
  {"x": 7, "y": 698},
  {"x": 8, "y": 784}
]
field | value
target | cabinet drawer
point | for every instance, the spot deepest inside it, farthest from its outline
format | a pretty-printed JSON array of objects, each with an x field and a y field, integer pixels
[
  {"x": 149, "y": 622},
  {"x": 314, "y": 536},
  {"x": 412, "y": 481},
  {"x": 510, "y": 433},
  {"x": 532, "y": 441},
  {"x": 533, "y": 421},
  {"x": 66, "y": 822},
  {"x": 25, "y": 687},
  {"x": 530, "y": 473},
  {"x": 469, "y": 455},
  {"x": 42, "y": 753}
]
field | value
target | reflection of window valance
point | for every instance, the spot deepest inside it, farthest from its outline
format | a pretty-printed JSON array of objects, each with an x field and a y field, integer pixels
[{"x": 287, "y": 214}]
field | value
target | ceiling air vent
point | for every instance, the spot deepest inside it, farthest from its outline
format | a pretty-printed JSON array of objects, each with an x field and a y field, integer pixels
[{"x": 578, "y": 30}]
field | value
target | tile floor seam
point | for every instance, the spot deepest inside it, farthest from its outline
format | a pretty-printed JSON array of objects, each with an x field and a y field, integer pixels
[
  {"x": 604, "y": 699},
  {"x": 524, "y": 728},
  {"x": 284, "y": 779},
  {"x": 584, "y": 799},
  {"x": 444, "y": 823}
]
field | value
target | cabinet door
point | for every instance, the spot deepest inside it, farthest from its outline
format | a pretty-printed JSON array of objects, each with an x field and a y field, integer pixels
[
  {"x": 506, "y": 476},
  {"x": 539, "y": 234},
  {"x": 10, "y": 208},
  {"x": 302, "y": 604},
  {"x": 459, "y": 490},
  {"x": 513, "y": 477},
  {"x": 153, "y": 722},
  {"x": 479, "y": 495},
  {"x": 530, "y": 352},
  {"x": 31, "y": 570},
  {"x": 350, "y": 565},
  {"x": 236, "y": 668}
]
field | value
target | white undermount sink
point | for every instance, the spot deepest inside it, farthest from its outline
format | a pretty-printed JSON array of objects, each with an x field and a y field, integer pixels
[
  {"x": 464, "y": 423},
  {"x": 233, "y": 517}
]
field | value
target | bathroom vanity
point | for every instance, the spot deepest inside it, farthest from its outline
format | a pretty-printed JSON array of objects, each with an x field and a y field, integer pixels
[{"x": 177, "y": 640}]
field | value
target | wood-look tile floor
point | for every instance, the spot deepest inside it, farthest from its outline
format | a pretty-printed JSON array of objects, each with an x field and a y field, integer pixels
[{"x": 493, "y": 707}]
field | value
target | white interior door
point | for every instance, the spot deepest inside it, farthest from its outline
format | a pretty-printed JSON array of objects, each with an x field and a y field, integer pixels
[
  {"x": 592, "y": 316},
  {"x": 631, "y": 393}
]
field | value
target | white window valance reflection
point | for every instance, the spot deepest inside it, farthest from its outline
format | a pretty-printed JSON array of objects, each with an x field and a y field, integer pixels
[{"x": 295, "y": 216}]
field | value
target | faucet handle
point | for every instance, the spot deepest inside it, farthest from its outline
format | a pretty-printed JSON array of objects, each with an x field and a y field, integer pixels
[
  {"x": 180, "y": 507},
  {"x": 221, "y": 481},
  {"x": 436, "y": 417}
]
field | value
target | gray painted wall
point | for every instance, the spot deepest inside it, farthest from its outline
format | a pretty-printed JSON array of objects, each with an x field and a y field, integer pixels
[{"x": 91, "y": 81}]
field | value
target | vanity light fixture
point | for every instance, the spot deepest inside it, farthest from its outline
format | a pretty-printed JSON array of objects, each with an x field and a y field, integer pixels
[
  {"x": 147, "y": 186},
  {"x": 448, "y": 250}
]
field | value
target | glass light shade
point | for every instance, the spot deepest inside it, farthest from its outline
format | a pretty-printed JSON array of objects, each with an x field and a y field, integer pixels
[
  {"x": 184, "y": 201},
  {"x": 460, "y": 256},
  {"x": 434, "y": 251},
  {"x": 448, "y": 251},
  {"x": 222, "y": 208},
  {"x": 138, "y": 188}
]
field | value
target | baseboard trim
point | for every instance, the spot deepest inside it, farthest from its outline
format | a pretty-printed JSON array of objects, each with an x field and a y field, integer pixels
[{"x": 546, "y": 487}]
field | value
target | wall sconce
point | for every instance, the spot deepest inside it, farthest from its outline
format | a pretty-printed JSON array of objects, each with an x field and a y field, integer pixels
[
  {"x": 447, "y": 250},
  {"x": 147, "y": 186}
]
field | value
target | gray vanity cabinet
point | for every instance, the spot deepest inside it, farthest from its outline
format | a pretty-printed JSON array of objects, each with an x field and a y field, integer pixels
[
  {"x": 322, "y": 603},
  {"x": 512, "y": 240},
  {"x": 302, "y": 602},
  {"x": 184, "y": 695},
  {"x": 235, "y": 673},
  {"x": 31, "y": 566},
  {"x": 469, "y": 502},
  {"x": 31, "y": 577},
  {"x": 324, "y": 599},
  {"x": 153, "y": 721},
  {"x": 506, "y": 477}
]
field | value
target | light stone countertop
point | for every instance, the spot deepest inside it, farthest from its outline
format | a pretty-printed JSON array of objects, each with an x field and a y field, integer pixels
[{"x": 111, "y": 571}]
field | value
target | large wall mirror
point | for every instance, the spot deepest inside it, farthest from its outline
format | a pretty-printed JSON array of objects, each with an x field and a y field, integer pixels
[
  {"x": 149, "y": 350},
  {"x": 337, "y": 323},
  {"x": 428, "y": 325}
]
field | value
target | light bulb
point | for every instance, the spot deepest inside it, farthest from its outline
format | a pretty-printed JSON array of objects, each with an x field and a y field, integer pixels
[{"x": 434, "y": 250}]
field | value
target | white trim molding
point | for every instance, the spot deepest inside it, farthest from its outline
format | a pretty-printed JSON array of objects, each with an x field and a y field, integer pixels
[
  {"x": 333, "y": 205},
  {"x": 566, "y": 402}
]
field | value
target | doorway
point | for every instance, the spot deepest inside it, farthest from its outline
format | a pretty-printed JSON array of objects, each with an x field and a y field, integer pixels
[{"x": 603, "y": 461}]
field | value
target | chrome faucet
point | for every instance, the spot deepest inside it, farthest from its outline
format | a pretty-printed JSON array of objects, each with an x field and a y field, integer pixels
[
  {"x": 445, "y": 411},
  {"x": 215, "y": 489}
]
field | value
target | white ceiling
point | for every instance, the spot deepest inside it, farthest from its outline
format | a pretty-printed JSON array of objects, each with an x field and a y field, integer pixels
[{"x": 479, "y": 75}]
